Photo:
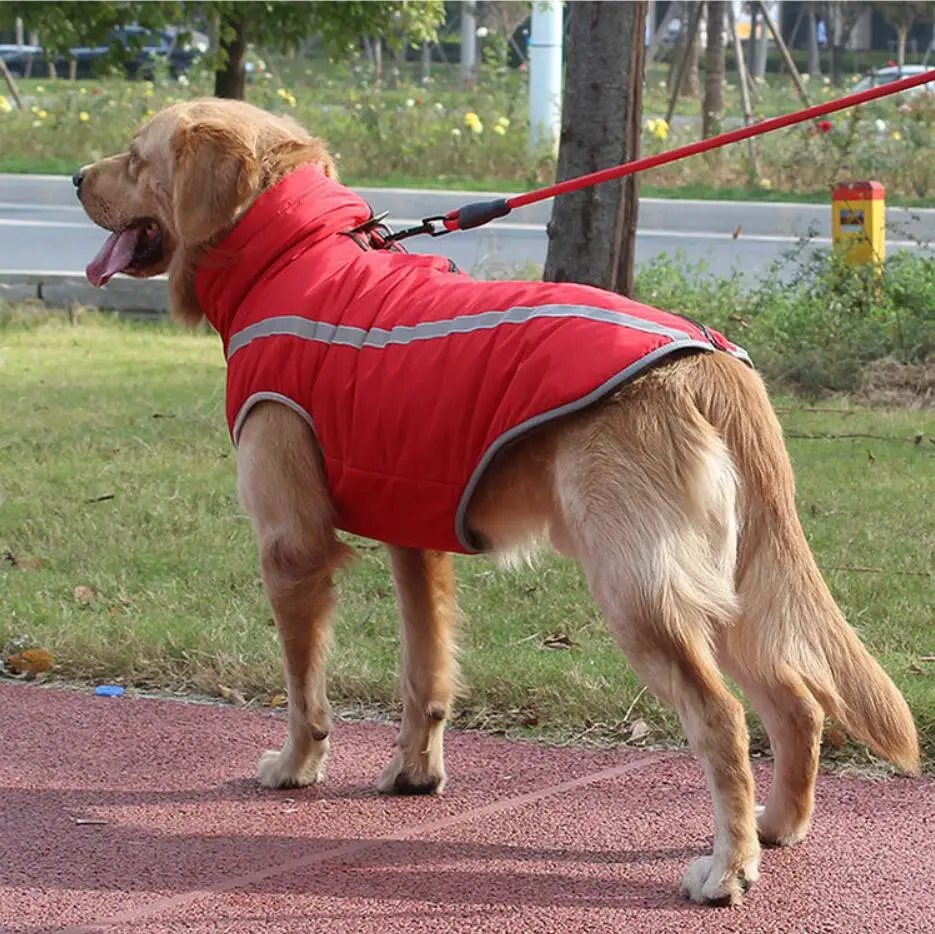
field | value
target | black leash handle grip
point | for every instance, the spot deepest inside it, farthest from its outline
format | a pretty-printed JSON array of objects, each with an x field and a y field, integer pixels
[{"x": 477, "y": 214}]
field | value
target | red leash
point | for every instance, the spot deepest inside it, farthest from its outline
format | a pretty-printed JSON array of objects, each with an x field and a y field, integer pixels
[{"x": 482, "y": 212}]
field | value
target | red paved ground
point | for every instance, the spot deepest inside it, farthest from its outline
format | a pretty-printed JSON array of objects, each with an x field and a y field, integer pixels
[{"x": 526, "y": 839}]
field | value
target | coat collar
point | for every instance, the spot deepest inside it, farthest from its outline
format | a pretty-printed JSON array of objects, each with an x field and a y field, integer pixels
[{"x": 304, "y": 208}]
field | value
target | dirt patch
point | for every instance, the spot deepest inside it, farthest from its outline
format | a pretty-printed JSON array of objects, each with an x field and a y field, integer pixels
[{"x": 905, "y": 385}]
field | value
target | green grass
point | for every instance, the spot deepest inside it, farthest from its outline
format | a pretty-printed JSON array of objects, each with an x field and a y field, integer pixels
[{"x": 134, "y": 413}]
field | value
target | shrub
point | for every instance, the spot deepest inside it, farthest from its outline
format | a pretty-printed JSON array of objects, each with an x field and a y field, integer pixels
[{"x": 811, "y": 322}]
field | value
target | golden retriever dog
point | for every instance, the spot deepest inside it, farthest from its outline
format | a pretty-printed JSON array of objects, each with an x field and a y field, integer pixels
[{"x": 674, "y": 493}]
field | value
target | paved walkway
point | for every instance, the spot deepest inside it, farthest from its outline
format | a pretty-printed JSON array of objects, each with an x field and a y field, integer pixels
[{"x": 122, "y": 815}]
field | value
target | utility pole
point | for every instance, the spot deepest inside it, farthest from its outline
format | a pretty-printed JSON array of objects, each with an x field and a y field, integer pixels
[{"x": 545, "y": 74}]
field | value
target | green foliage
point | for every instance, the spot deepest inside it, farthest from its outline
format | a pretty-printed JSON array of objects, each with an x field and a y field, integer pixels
[
  {"x": 903, "y": 15},
  {"x": 811, "y": 322},
  {"x": 277, "y": 26},
  {"x": 380, "y": 138}
]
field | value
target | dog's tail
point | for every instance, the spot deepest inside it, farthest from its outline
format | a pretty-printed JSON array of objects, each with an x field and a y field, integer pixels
[{"x": 788, "y": 615}]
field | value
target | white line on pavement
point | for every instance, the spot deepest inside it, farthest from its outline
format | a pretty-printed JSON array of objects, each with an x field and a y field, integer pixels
[{"x": 508, "y": 228}]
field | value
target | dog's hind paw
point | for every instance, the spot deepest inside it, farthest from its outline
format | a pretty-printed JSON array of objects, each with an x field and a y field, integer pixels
[
  {"x": 709, "y": 882},
  {"x": 281, "y": 770},
  {"x": 400, "y": 779}
]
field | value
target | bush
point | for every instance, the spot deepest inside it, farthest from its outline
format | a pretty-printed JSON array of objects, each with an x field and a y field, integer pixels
[{"x": 811, "y": 323}]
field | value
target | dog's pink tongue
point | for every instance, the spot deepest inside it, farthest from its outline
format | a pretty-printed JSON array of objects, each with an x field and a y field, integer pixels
[{"x": 116, "y": 254}]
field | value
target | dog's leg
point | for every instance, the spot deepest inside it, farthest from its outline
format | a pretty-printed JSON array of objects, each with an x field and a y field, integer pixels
[
  {"x": 793, "y": 720},
  {"x": 649, "y": 506},
  {"x": 676, "y": 664},
  {"x": 282, "y": 487},
  {"x": 425, "y": 589}
]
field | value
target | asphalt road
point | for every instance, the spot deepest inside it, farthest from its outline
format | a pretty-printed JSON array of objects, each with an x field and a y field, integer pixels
[{"x": 43, "y": 228}]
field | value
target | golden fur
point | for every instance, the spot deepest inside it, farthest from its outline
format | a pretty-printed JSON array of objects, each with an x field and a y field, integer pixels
[{"x": 675, "y": 495}]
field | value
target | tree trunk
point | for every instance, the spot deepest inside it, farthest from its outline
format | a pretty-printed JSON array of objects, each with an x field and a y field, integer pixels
[
  {"x": 426, "y": 61},
  {"x": 468, "y": 40},
  {"x": 760, "y": 48},
  {"x": 814, "y": 59},
  {"x": 841, "y": 21},
  {"x": 837, "y": 64},
  {"x": 712, "y": 112},
  {"x": 902, "y": 34},
  {"x": 592, "y": 233},
  {"x": 231, "y": 77},
  {"x": 690, "y": 82},
  {"x": 751, "y": 42}
]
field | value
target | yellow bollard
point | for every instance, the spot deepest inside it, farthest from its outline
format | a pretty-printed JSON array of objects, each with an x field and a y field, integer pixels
[{"x": 857, "y": 226}]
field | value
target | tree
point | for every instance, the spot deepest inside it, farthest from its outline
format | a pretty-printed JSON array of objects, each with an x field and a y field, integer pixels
[
  {"x": 902, "y": 17},
  {"x": 690, "y": 83},
  {"x": 592, "y": 233},
  {"x": 842, "y": 17},
  {"x": 712, "y": 111},
  {"x": 504, "y": 17},
  {"x": 814, "y": 59},
  {"x": 283, "y": 26},
  {"x": 280, "y": 25}
]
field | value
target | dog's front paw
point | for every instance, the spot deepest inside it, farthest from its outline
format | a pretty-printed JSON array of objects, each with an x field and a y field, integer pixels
[
  {"x": 282, "y": 770},
  {"x": 709, "y": 881},
  {"x": 423, "y": 778}
]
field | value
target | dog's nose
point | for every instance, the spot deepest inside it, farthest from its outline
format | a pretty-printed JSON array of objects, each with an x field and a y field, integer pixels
[{"x": 76, "y": 180}]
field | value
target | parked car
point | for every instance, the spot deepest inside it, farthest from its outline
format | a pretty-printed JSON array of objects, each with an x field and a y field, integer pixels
[
  {"x": 142, "y": 49},
  {"x": 18, "y": 58},
  {"x": 892, "y": 73}
]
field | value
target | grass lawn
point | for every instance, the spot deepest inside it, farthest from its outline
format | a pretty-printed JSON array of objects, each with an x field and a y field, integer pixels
[{"x": 117, "y": 478}]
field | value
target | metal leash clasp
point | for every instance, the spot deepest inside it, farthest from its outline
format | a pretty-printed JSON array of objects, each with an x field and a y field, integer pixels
[{"x": 433, "y": 226}]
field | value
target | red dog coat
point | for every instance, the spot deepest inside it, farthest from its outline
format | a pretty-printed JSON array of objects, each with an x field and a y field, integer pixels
[{"x": 411, "y": 374}]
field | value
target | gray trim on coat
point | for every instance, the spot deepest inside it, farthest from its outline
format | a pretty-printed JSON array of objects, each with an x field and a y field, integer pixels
[
  {"x": 359, "y": 338},
  {"x": 465, "y": 536},
  {"x": 268, "y": 397}
]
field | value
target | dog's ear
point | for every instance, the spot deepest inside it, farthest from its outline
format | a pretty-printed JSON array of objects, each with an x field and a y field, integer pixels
[{"x": 215, "y": 174}]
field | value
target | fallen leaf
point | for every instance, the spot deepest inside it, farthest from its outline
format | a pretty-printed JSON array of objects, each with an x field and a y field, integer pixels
[
  {"x": 278, "y": 700},
  {"x": 24, "y": 564},
  {"x": 531, "y": 718},
  {"x": 918, "y": 438},
  {"x": 917, "y": 669},
  {"x": 30, "y": 663},
  {"x": 101, "y": 499},
  {"x": 639, "y": 730},
  {"x": 559, "y": 641},
  {"x": 870, "y": 457},
  {"x": 835, "y": 737},
  {"x": 737, "y": 230},
  {"x": 84, "y": 595},
  {"x": 927, "y": 658},
  {"x": 232, "y": 695}
]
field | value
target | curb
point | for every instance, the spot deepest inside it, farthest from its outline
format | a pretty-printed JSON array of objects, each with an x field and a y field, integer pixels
[{"x": 65, "y": 289}]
